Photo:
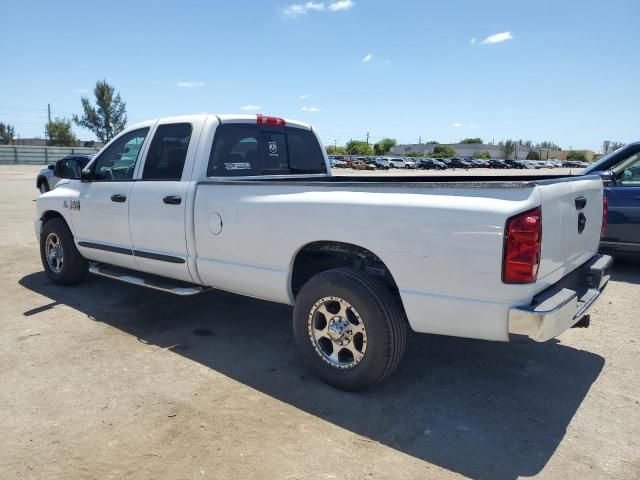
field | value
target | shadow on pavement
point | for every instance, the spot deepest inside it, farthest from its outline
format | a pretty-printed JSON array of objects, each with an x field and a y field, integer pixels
[
  {"x": 626, "y": 270},
  {"x": 482, "y": 409}
]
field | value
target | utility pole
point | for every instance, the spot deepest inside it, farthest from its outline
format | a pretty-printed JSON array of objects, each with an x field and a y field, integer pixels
[
  {"x": 367, "y": 138},
  {"x": 49, "y": 117},
  {"x": 420, "y": 140}
]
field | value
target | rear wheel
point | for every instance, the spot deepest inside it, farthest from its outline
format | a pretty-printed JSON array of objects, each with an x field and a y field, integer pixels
[
  {"x": 61, "y": 260},
  {"x": 349, "y": 328}
]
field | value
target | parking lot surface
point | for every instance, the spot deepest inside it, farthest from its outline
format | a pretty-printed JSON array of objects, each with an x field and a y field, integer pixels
[{"x": 106, "y": 380}]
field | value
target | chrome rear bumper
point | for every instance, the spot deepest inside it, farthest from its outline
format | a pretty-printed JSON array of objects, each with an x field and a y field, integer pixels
[{"x": 562, "y": 305}]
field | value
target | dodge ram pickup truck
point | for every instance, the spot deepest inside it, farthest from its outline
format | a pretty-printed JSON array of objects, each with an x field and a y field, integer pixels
[{"x": 247, "y": 204}]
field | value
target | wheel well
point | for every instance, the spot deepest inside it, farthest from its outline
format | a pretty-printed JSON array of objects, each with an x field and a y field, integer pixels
[
  {"x": 40, "y": 180},
  {"x": 48, "y": 215},
  {"x": 318, "y": 257}
]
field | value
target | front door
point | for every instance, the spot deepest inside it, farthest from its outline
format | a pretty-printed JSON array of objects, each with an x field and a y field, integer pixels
[
  {"x": 101, "y": 216},
  {"x": 157, "y": 211},
  {"x": 623, "y": 221}
]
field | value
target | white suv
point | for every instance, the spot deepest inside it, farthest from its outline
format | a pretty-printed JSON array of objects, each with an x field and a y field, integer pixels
[{"x": 401, "y": 163}]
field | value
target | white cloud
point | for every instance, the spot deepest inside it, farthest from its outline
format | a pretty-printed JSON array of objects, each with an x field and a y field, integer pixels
[
  {"x": 472, "y": 41},
  {"x": 297, "y": 9},
  {"x": 457, "y": 125},
  {"x": 190, "y": 84},
  {"x": 304, "y": 97},
  {"x": 497, "y": 38},
  {"x": 367, "y": 58},
  {"x": 310, "y": 109},
  {"x": 341, "y": 5},
  {"x": 250, "y": 107}
]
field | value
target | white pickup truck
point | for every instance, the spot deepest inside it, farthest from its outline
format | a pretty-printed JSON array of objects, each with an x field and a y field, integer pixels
[{"x": 248, "y": 204}]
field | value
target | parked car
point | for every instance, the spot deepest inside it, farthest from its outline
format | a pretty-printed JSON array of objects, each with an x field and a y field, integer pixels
[
  {"x": 46, "y": 180},
  {"x": 478, "y": 163},
  {"x": 185, "y": 204},
  {"x": 339, "y": 164},
  {"x": 396, "y": 162},
  {"x": 621, "y": 170},
  {"x": 494, "y": 163},
  {"x": 572, "y": 164},
  {"x": 519, "y": 164},
  {"x": 456, "y": 162},
  {"x": 431, "y": 164},
  {"x": 379, "y": 163},
  {"x": 361, "y": 165}
]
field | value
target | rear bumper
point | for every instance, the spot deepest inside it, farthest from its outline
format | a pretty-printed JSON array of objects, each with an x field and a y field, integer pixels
[{"x": 562, "y": 305}]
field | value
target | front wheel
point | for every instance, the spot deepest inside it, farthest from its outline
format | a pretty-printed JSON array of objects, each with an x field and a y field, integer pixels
[
  {"x": 44, "y": 186},
  {"x": 61, "y": 260},
  {"x": 349, "y": 328}
]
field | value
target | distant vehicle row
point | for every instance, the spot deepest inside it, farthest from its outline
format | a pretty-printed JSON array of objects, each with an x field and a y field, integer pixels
[{"x": 385, "y": 163}]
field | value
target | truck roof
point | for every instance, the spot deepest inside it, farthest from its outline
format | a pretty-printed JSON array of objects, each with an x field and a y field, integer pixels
[{"x": 222, "y": 118}]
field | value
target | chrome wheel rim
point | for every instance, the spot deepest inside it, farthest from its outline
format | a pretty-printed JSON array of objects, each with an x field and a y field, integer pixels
[
  {"x": 337, "y": 332},
  {"x": 53, "y": 252}
]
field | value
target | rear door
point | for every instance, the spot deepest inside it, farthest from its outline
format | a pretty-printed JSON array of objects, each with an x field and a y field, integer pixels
[
  {"x": 623, "y": 221},
  {"x": 571, "y": 224},
  {"x": 158, "y": 206}
]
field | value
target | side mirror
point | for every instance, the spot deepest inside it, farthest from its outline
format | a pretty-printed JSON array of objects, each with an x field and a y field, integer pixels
[
  {"x": 51, "y": 167},
  {"x": 85, "y": 175},
  {"x": 608, "y": 178},
  {"x": 69, "y": 168}
]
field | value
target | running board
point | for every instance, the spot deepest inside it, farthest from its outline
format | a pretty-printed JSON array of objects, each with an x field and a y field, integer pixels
[{"x": 146, "y": 280}]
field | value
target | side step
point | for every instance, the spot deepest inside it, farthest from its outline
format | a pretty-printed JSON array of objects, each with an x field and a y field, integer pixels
[{"x": 146, "y": 280}]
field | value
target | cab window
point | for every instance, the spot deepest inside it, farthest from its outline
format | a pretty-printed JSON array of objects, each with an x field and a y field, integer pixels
[
  {"x": 627, "y": 172},
  {"x": 118, "y": 161},
  {"x": 167, "y": 152}
]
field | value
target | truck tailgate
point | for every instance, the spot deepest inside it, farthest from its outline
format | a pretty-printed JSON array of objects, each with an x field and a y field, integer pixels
[{"x": 571, "y": 224}]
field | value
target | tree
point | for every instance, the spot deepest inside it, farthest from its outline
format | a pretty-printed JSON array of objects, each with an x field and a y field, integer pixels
[
  {"x": 525, "y": 143},
  {"x": 549, "y": 145},
  {"x": 358, "y": 147},
  {"x": 7, "y": 132},
  {"x": 333, "y": 150},
  {"x": 432, "y": 142},
  {"x": 482, "y": 155},
  {"x": 533, "y": 155},
  {"x": 384, "y": 145},
  {"x": 471, "y": 140},
  {"x": 574, "y": 155},
  {"x": 108, "y": 117},
  {"x": 508, "y": 147},
  {"x": 414, "y": 154},
  {"x": 443, "y": 151},
  {"x": 60, "y": 133}
]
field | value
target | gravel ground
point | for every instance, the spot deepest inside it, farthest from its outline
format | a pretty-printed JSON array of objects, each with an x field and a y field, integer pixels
[{"x": 106, "y": 380}]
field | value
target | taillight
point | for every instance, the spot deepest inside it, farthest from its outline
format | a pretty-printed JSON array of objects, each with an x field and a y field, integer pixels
[
  {"x": 522, "y": 244},
  {"x": 605, "y": 210},
  {"x": 275, "y": 121}
]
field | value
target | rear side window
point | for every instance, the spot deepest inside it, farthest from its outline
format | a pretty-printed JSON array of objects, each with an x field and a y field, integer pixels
[
  {"x": 167, "y": 153},
  {"x": 245, "y": 150}
]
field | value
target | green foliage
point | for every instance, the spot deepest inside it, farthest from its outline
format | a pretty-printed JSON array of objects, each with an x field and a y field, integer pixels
[
  {"x": 60, "y": 133},
  {"x": 358, "y": 147},
  {"x": 414, "y": 154},
  {"x": 384, "y": 145},
  {"x": 333, "y": 150},
  {"x": 7, "y": 133},
  {"x": 443, "y": 151},
  {"x": 482, "y": 155},
  {"x": 525, "y": 143},
  {"x": 89, "y": 143},
  {"x": 108, "y": 117},
  {"x": 508, "y": 147},
  {"x": 432, "y": 142},
  {"x": 573, "y": 155},
  {"x": 549, "y": 145},
  {"x": 471, "y": 140},
  {"x": 533, "y": 155}
]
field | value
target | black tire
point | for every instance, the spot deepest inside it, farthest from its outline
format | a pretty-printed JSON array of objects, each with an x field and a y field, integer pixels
[
  {"x": 381, "y": 314},
  {"x": 74, "y": 267},
  {"x": 43, "y": 185}
]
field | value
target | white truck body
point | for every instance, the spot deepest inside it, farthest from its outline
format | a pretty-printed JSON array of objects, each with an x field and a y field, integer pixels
[{"x": 441, "y": 241}]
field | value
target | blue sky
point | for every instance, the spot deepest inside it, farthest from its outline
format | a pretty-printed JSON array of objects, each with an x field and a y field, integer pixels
[{"x": 565, "y": 71}]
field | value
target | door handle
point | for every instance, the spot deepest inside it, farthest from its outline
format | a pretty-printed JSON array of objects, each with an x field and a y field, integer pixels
[
  {"x": 172, "y": 200},
  {"x": 581, "y": 202},
  {"x": 118, "y": 197}
]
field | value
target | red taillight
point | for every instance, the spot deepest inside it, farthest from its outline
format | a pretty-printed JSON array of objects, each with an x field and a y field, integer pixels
[
  {"x": 522, "y": 244},
  {"x": 605, "y": 210},
  {"x": 275, "y": 121}
]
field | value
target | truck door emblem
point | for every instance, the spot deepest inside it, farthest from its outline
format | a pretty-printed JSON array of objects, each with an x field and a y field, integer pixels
[
  {"x": 75, "y": 204},
  {"x": 273, "y": 148},
  {"x": 582, "y": 222}
]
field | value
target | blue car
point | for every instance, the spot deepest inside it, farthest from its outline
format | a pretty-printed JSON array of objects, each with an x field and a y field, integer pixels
[{"x": 622, "y": 187}]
